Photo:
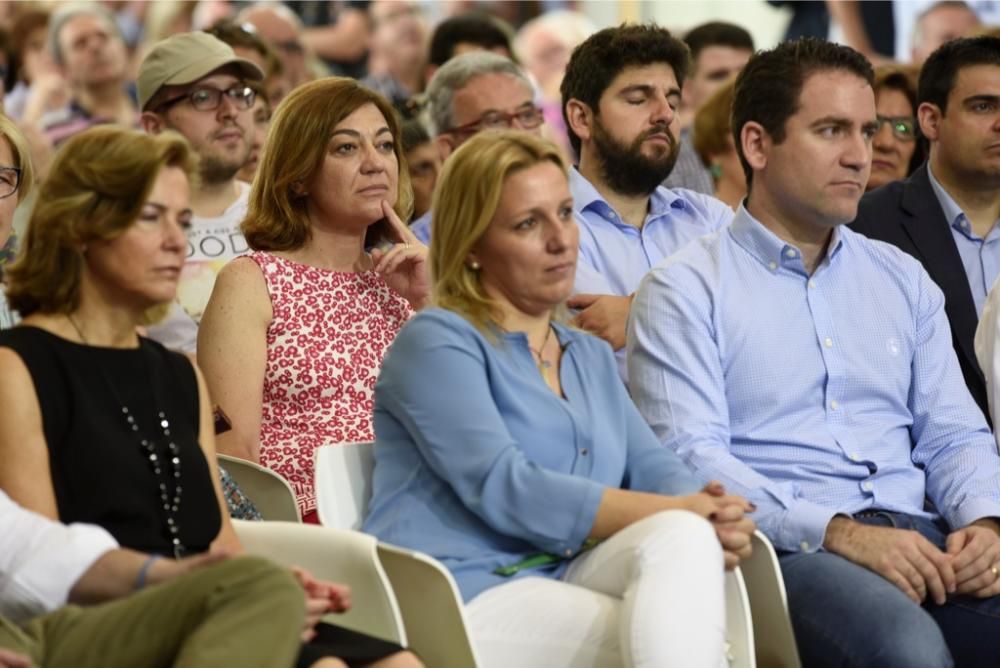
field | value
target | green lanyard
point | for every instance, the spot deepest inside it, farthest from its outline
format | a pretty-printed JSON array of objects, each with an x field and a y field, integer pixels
[{"x": 539, "y": 560}]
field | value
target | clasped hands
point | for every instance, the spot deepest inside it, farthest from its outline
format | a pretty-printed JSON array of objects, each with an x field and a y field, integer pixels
[
  {"x": 970, "y": 563},
  {"x": 728, "y": 514}
]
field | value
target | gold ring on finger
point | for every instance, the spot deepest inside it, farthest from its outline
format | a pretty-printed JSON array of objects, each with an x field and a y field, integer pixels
[{"x": 995, "y": 571}]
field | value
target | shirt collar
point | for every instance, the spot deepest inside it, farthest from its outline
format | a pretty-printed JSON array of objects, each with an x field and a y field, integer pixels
[
  {"x": 952, "y": 211},
  {"x": 771, "y": 251},
  {"x": 586, "y": 198}
]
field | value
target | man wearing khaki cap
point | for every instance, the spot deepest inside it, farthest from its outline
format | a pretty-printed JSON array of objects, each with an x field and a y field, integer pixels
[{"x": 195, "y": 84}]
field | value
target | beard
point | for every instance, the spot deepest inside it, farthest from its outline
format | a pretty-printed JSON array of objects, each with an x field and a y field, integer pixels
[{"x": 626, "y": 169}]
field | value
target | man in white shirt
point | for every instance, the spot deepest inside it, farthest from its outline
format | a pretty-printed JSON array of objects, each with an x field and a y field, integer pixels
[
  {"x": 241, "y": 612},
  {"x": 195, "y": 85}
]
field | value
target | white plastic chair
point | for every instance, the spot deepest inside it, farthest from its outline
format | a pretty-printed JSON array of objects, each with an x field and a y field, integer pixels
[
  {"x": 270, "y": 493},
  {"x": 426, "y": 592},
  {"x": 339, "y": 556},
  {"x": 758, "y": 627},
  {"x": 772, "y": 627}
]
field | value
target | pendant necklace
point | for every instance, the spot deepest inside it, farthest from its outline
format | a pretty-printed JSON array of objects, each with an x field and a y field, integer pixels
[
  {"x": 165, "y": 463},
  {"x": 543, "y": 364}
]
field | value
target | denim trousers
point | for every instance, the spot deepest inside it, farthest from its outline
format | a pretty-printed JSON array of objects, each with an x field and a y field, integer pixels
[{"x": 846, "y": 615}]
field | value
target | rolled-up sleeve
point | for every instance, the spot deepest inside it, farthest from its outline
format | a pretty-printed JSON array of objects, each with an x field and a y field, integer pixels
[
  {"x": 41, "y": 559},
  {"x": 442, "y": 396}
]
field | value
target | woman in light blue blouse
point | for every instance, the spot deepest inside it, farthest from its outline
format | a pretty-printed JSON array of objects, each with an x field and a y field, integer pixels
[{"x": 507, "y": 447}]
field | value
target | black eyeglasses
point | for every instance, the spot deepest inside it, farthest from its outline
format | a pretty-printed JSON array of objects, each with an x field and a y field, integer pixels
[
  {"x": 904, "y": 128},
  {"x": 527, "y": 117},
  {"x": 209, "y": 99},
  {"x": 10, "y": 179}
]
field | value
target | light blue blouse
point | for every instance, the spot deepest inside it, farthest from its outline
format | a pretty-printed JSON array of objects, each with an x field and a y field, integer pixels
[{"x": 479, "y": 464}]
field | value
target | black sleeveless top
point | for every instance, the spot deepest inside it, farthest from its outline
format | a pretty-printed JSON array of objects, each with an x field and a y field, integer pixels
[{"x": 100, "y": 471}]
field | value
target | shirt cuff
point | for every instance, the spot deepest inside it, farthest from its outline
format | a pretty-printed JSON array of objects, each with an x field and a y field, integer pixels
[
  {"x": 584, "y": 521},
  {"x": 802, "y": 528},
  {"x": 971, "y": 510}
]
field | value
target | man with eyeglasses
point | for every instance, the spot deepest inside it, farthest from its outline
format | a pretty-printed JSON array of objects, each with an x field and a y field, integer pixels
[
  {"x": 474, "y": 92},
  {"x": 620, "y": 98},
  {"x": 945, "y": 214},
  {"x": 195, "y": 85}
]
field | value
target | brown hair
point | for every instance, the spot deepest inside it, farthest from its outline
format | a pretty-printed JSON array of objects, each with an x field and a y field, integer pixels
[
  {"x": 293, "y": 153},
  {"x": 465, "y": 200},
  {"x": 711, "y": 131},
  {"x": 95, "y": 189}
]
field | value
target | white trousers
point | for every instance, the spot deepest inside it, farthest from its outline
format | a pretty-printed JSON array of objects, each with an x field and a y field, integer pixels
[{"x": 651, "y": 595}]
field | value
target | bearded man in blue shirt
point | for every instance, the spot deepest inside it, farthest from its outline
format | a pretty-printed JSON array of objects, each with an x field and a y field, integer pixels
[
  {"x": 811, "y": 370},
  {"x": 620, "y": 97}
]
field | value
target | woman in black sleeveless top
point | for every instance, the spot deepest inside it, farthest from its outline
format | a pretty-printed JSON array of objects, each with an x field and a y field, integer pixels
[{"x": 99, "y": 424}]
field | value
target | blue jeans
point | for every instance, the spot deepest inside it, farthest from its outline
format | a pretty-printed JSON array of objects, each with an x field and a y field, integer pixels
[{"x": 847, "y": 615}]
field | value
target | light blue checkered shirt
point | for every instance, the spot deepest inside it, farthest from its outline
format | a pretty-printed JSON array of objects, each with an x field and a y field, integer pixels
[{"x": 815, "y": 395}]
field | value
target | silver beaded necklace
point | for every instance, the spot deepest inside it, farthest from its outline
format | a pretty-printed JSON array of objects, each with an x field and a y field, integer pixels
[{"x": 166, "y": 467}]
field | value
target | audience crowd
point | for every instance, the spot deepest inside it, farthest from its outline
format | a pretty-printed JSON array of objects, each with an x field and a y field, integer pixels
[{"x": 600, "y": 304}]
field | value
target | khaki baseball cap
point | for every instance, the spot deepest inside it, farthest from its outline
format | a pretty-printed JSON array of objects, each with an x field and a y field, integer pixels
[{"x": 185, "y": 58}]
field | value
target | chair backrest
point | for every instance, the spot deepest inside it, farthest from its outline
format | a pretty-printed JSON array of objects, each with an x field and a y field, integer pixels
[
  {"x": 344, "y": 483},
  {"x": 431, "y": 606},
  {"x": 772, "y": 627},
  {"x": 336, "y": 555},
  {"x": 270, "y": 492}
]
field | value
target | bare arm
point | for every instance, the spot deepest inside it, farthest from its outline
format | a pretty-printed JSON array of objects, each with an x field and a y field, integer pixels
[
  {"x": 227, "y": 541},
  {"x": 621, "y": 507},
  {"x": 114, "y": 575},
  {"x": 25, "y": 473},
  {"x": 232, "y": 351}
]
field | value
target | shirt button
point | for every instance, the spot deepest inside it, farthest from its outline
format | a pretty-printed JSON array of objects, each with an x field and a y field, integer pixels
[
  {"x": 867, "y": 486},
  {"x": 854, "y": 456},
  {"x": 584, "y": 452},
  {"x": 790, "y": 253},
  {"x": 772, "y": 265},
  {"x": 812, "y": 283},
  {"x": 834, "y": 405},
  {"x": 568, "y": 553},
  {"x": 804, "y": 545},
  {"x": 828, "y": 342}
]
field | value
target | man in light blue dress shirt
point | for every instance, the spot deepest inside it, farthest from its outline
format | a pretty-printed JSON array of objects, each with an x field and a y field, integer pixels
[
  {"x": 811, "y": 370},
  {"x": 621, "y": 91}
]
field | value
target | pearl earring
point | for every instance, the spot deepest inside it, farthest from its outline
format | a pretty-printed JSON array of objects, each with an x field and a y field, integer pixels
[{"x": 474, "y": 266}]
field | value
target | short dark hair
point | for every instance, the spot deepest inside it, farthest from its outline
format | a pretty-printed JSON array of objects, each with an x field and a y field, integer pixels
[
  {"x": 473, "y": 28},
  {"x": 601, "y": 57},
  {"x": 770, "y": 85},
  {"x": 717, "y": 33},
  {"x": 938, "y": 74},
  {"x": 414, "y": 134},
  {"x": 245, "y": 36}
]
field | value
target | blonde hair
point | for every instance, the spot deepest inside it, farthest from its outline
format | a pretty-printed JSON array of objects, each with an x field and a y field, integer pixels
[
  {"x": 465, "y": 201},
  {"x": 21, "y": 154},
  {"x": 294, "y": 151},
  {"x": 95, "y": 189}
]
